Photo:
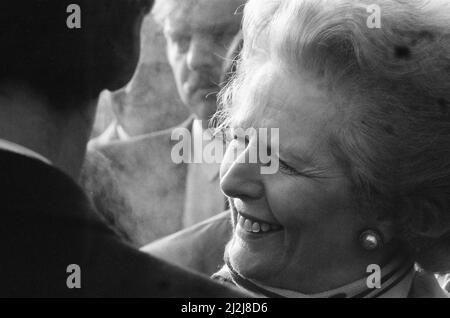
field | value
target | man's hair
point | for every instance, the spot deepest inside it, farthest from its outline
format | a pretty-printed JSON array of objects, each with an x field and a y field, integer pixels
[
  {"x": 166, "y": 8},
  {"x": 391, "y": 89},
  {"x": 173, "y": 8},
  {"x": 67, "y": 65}
]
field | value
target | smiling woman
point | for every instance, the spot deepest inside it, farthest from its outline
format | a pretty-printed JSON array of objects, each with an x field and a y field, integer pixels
[{"x": 364, "y": 150}]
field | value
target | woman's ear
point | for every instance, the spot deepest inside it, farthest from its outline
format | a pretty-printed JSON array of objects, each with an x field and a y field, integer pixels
[{"x": 377, "y": 233}]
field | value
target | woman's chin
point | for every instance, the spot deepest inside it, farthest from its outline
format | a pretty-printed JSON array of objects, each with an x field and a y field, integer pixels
[{"x": 253, "y": 264}]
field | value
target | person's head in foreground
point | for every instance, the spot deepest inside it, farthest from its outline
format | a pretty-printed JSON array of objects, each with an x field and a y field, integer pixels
[
  {"x": 364, "y": 147},
  {"x": 50, "y": 77},
  {"x": 57, "y": 59},
  {"x": 198, "y": 34}
]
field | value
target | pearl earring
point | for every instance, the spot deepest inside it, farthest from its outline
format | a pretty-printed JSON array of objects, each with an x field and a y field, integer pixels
[{"x": 370, "y": 240}]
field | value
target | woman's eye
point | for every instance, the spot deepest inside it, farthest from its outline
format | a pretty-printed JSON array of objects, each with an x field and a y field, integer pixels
[{"x": 285, "y": 168}]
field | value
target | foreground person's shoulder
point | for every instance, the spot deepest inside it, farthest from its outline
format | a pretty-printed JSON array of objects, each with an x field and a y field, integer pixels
[
  {"x": 141, "y": 275},
  {"x": 200, "y": 247},
  {"x": 216, "y": 227}
]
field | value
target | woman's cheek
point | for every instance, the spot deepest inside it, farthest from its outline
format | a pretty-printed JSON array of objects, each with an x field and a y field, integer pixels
[{"x": 294, "y": 199}]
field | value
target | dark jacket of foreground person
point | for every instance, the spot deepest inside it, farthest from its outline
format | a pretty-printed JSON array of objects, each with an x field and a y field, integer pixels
[{"x": 48, "y": 224}]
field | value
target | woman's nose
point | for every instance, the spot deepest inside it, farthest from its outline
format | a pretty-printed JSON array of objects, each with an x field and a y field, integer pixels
[
  {"x": 241, "y": 180},
  {"x": 201, "y": 54}
]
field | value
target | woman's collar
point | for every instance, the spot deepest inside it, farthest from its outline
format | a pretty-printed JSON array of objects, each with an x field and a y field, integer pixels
[{"x": 396, "y": 280}]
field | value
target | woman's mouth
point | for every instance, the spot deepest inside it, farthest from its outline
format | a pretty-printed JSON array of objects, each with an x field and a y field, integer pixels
[{"x": 252, "y": 225}]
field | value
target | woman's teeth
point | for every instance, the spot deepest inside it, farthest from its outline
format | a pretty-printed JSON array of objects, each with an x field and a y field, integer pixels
[{"x": 256, "y": 227}]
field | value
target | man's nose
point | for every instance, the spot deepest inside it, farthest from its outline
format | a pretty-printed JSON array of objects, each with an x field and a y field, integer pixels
[
  {"x": 242, "y": 179},
  {"x": 201, "y": 54}
]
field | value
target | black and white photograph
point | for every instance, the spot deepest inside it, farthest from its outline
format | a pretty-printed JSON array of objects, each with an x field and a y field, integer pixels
[{"x": 225, "y": 153}]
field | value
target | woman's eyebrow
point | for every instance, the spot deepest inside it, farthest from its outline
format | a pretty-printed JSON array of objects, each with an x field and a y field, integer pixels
[
  {"x": 307, "y": 164},
  {"x": 301, "y": 157}
]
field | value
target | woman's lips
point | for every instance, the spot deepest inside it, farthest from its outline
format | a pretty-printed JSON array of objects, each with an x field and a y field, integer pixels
[{"x": 252, "y": 225}]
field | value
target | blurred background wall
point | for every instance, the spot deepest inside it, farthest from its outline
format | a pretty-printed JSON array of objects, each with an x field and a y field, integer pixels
[{"x": 150, "y": 101}]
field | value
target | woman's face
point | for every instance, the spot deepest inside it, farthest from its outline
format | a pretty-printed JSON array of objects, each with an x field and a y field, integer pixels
[{"x": 293, "y": 226}]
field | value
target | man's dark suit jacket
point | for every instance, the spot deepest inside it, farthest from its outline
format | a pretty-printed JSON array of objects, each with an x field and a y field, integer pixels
[
  {"x": 48, "y": 224},
  {"x": 157, "y": 189}
]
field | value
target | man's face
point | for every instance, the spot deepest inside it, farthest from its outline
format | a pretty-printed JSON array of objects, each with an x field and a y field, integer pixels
[{"x": 198, "y": 38}]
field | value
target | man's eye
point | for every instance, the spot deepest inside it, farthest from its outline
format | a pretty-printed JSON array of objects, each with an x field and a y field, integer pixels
[
  {"x": 218, "y": 36},
  {"x": 182, "y": 41},
  {"x": 222, "y": 36}
]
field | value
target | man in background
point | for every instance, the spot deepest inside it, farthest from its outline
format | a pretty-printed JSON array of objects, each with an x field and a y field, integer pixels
[
  {"x": 199, "y": 34},
  {"x": 201, "y": 247},
  {"x": 165, "y": 196},
  {"x": 53, "y": 244}
]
